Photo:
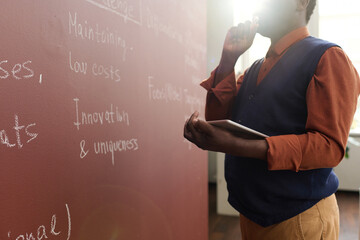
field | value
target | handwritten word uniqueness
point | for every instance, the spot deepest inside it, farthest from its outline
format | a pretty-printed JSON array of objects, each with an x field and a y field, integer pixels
[{"x": 110, "y": 147}]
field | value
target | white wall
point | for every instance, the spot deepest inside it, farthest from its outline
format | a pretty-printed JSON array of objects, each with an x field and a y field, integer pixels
[{"x": 220, "y": 19}]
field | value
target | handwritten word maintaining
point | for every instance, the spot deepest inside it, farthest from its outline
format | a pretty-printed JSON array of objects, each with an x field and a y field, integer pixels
[
  {"x": 42, "y": 233},
  {"x": 19, "y": 129},
  {"x": 110, "y": 116},
  {"x": 103, "y": 36}
]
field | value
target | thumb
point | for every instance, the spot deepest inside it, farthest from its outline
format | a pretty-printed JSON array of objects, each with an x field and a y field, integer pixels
[
  {"x": 253, "y": 27},
  {"x": 204, "y": 127}
]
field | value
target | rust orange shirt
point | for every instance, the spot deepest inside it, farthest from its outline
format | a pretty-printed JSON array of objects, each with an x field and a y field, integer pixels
[{"x": 331, "y": 103}]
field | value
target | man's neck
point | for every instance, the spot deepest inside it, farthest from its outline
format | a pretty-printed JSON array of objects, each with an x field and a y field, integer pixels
[{"x": 274, "y": 39}]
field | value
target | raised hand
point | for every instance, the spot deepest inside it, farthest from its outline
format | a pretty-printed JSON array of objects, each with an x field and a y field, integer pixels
[{"x": 238, "y": 40}]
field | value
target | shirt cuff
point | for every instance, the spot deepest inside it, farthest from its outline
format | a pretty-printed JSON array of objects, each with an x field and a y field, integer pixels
[
  {"x": 208, "y": 83},
  {"x": 284, "y": 153},
  {"x": 223, "y": 88}
]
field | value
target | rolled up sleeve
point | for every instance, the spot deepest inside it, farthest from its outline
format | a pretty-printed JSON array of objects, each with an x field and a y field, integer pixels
[
  {"x": 331, "y": 102},
  {"x": 220, "y": 98}
]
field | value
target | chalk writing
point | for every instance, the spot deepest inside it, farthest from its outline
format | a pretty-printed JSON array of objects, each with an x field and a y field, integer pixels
[
  {"x": 42, "y": 232},
  {"x": 129, "y": 11},
  {"x": 110, "y": 147},
  {"x": 17, "y": 71},
  {"x": 191, "y": 62},
  {"x": 196, "y": 80},
  {"x": 170, "y": 93},
  {"x": 97, "y": 70},
  {"x": 167, "y": 93},
  {"x": 76, "y": 66},
  {"x": 197, "y": 49},
  {"x": 107, "y": 72},
  {"x": 19, "y": 129},
  {"x": 110, "y": 116},
  {"x": 195, "y": 55},
  {"x": 101, "y": 35},
  {"x": 153, "y": 22},
  {"x": 194, "y": 102},
  {"x": 83, "y": 153}
]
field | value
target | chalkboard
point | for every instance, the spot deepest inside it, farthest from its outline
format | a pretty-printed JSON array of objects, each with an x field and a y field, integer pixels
[{"x": 93, "y": 98}]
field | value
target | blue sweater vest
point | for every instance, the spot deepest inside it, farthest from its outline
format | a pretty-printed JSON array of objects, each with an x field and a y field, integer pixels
[{"x": 277, "y": 106}]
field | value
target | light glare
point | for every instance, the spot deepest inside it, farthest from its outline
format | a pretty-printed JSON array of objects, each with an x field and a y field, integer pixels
[{"x": 243, "y": 10}]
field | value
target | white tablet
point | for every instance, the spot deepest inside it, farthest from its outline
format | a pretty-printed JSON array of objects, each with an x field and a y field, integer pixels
[{"x": 238, "y": 129}]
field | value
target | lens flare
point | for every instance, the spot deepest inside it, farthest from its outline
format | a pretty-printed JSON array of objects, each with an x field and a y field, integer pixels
[{"x": 244, "y": 10}]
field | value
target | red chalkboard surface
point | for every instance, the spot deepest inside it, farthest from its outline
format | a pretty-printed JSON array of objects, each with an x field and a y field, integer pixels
[{"x": 93, "y": 98}]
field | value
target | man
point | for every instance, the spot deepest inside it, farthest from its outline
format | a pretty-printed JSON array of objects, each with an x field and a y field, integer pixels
[{"x": 303, "y": 95}]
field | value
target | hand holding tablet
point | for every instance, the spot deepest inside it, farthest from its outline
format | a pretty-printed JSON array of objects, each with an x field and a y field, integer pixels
[{"x": 238, "y": 129}]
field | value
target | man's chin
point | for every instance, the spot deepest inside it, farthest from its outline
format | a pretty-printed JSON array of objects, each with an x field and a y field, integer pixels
[{"x": 264, "y": 31}]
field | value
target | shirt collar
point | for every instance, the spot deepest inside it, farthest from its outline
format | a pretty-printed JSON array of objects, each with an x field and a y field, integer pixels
[{"x": 285, "y": 42}]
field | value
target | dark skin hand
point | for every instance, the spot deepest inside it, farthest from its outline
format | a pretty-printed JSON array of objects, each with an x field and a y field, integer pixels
[{"x": 208, "y": 137}]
